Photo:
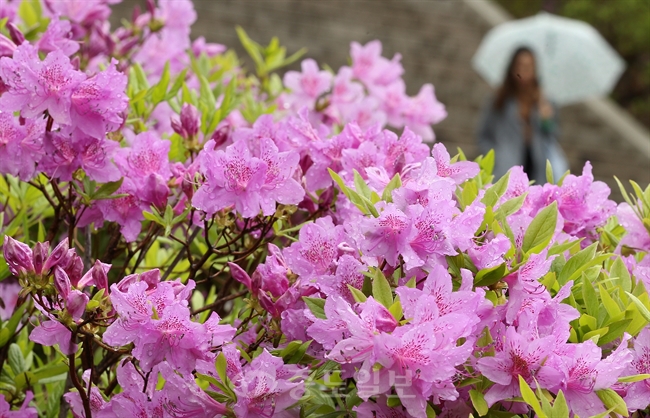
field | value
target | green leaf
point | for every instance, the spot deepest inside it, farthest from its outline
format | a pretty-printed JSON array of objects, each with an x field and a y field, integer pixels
[
  {"x": 357, "y": 294},
  {"x": 494, "y": 193},
  {"x": 15, "y": 359},
  {"x": 478, "y": 401},
  {"x": 616, "y": 329},
  {"x": 396, "y": 310},
  {"x": 541, "y": 230},
  {"x": 560, "y": 407},
  {"x": 619, "y": 270},
  {"x": 530, "y": 398},
  {"x": 613, "y": 400},
  {"x": 394, "y": 183},
  {"x": 9, "y": 330},
  {"x": 381, "y": 290},
  {"x": 159, "y": 91},
  {"x": 316, "y": 306},
  {"x": 55, "y": 394},
  {"x": 578, "y": 263},
  {"x": 611, "y": 306},
  {"x": 300, "y": 353},
  {"x": 561, "y": 248},
  {"x": 107, "y": 189},
  {"x": 489, "y": 276},
  {"x": 589, "y": 297},
  {"x": 221, "y": 364},
  {"x": 549, "y": 173},
  {"x": 28, "y": 14},
  {"x": 634, "y": 378},
  {"x": 178, "y": 84},
  {"x": 511, "y": 206},
  {"x": 361, "y": 186},
  {"x": 643, "y": 310}
]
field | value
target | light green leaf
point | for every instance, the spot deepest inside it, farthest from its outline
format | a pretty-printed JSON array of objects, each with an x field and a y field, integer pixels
[
  {"x": 619, "y": 270},
  {"x": 316, "y": 306},
  {"x": 643, "y": 310},
  {"x": 529, "y": 397},
  {"x": 394, "y": 183},
  {"x": 478, "y": 401},
  {"x": 494, "y": 193},
  {"x": 381, "y": 290},
  {"x": 361, "y": 186},
  {"x": 634, "y": 378},
  {"x": 541, "y": 230},
  {"x": 613, "y": 400},
  {"x": 589, "y": 297},
  {"x": 560, "y": 407},
  {"x": 15, "y": 359}
]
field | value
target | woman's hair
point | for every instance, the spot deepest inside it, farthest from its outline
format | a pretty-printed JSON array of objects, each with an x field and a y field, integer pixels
[{"x": 509, "y": 86}]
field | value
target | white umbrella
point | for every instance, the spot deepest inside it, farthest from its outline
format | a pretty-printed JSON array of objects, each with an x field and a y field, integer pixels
[{"x": 574, "y": 62}]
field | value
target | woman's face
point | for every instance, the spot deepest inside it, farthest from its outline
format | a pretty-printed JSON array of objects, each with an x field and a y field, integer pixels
[{"x": 524, "y": 68}]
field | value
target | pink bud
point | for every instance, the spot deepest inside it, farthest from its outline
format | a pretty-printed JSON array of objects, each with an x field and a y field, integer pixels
[
  {"x": 221, "y": 135},
  {"x": 18, "y": 256},
  {"x": 96, "y": 276},
  {"x": 41, "y": 250},
  {"x": 177, "y": 126},
  {"x": 61, "y": 282},
  {"x": 76, "y": 304},
  {"x": 15, "y": 33},
  {"x": 74, "y": 268},
  {"x": 59, "y": 254},
  {"x": 190, "y": 119},
  {"x": 241, "y": 276},
  {"x": 7, "y": 47}
]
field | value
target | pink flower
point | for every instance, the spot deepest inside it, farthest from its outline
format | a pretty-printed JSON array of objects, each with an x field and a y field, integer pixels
[
  {"x": 307, "y": 85},
  {"x": 316, "y": 248},
  {"x": 67, "y": 152},
  {"x": 371, "y": 68},
  {"x": 58, "y": 37},
  {"x": 459, "y": 171},
  {"x": 126, "y": 210},
  {"x": 638, "y": 393},
  {"x": 267, "y": 387},
  {"x": 388, "y": 235},
  {"x": 52, "y": 332},
  {"x": 234, "y": 178},
  {"x": 21, "y": 146},
  {"x": 519, "y": 356},
  {"x": 422, "y": 111},
  {"x": 98, "y": 103},
  {"x": 36, "y": 86},
  {"x": 25, "y": 410}
]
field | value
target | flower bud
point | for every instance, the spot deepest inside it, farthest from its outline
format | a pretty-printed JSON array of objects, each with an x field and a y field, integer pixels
[
  {"x": 190, "y": 119},
  {"x": 15, "y": 33},
  {"x": 18, "y": 256},
  {"x": 76, "y": 304},
  {"x": 41, "y": 250},
  {"x": 7, "y": 47},
  {"x": 96, "y": 276},
  {"x": 220, "y": 136},
  {"x": 59, "y": 254},
  {"x": 61, "y": 282}
]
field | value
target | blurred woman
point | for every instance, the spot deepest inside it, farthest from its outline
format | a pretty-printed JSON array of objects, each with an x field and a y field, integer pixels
[{"x": 520, "y": 124}]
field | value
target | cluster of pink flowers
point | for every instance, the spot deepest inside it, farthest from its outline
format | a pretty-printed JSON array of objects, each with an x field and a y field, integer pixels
[
  {"x": 369, "y": 92},
  {"x": 303, "y": 261}
]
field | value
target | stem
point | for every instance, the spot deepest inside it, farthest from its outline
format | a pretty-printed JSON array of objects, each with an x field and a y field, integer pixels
[{"x": 82, "y": 393}]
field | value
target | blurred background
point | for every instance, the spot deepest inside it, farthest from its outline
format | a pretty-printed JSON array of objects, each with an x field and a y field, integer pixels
[{"x": 437, "y": 39}]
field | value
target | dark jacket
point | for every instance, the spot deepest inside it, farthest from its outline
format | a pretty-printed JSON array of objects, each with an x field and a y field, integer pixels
[{"x": 503, "y": 131}]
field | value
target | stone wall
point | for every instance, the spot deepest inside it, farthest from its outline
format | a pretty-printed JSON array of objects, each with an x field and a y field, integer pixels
[{"x": 436, "y": 39}]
